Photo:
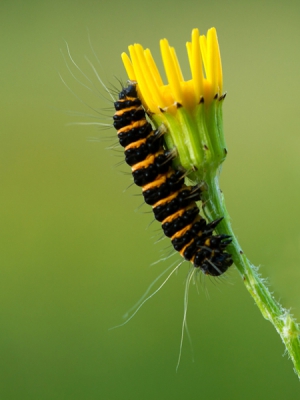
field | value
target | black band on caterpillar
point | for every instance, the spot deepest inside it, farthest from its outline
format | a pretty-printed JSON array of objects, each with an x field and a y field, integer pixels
[{"x": 173, "y": 203}]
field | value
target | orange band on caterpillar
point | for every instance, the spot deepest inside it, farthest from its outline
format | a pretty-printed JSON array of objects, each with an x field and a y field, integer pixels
[{"x": 163, "y": 187}]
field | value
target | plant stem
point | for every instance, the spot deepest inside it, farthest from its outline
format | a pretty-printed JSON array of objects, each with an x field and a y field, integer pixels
[
  {"x": 199, "y": 141},
  {"x": 282, "y": 320}
]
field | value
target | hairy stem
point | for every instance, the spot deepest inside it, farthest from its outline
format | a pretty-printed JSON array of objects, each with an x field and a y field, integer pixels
[{"x": 282, "y": 320}]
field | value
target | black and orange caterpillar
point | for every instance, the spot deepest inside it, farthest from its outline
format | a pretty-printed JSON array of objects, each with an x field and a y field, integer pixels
[{"x": 173, "y": 203}]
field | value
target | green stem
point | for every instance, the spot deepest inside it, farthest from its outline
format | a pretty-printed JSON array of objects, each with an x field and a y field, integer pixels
[
  {"x": 199, "y": 140},
  {"x": 282, "y": 320}
]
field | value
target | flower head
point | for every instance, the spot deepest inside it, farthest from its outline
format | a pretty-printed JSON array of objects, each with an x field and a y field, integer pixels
[
  {"x": 190, "y": 110},
  {"x": 206, "y": 70}
]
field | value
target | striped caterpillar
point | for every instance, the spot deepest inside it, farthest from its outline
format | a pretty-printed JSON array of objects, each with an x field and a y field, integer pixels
[{"x": 163, "y": 187}]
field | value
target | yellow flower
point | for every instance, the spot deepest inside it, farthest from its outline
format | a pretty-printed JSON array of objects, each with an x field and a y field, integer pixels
[
  {"x": 206, "y": 70},
  {"x": 189, "y": 110}
]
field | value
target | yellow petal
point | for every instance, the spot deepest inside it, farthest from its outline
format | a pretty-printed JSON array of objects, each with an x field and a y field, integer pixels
[{"x": 171, "y": 70}]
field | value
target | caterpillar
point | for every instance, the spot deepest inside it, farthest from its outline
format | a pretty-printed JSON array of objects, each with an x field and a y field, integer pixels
[{"x": 173, "y": 202}]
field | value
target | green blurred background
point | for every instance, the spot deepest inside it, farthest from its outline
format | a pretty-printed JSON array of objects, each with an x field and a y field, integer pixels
[{"x": 74, "y": 254}]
